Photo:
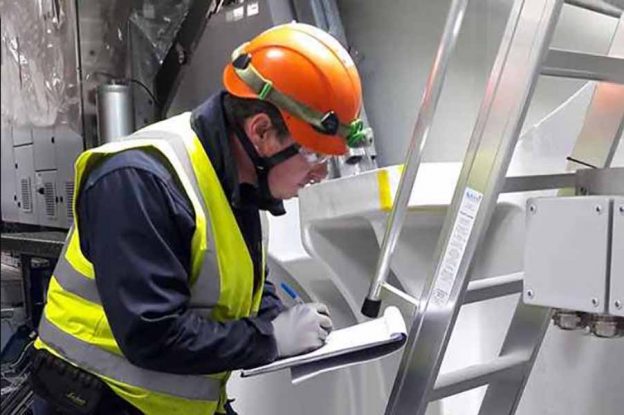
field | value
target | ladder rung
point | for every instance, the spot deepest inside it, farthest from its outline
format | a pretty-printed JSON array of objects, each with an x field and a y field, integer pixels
[
  {"x": 596, "y": 6},
  {"x": 493, "y": 287},
  {"x": 571, "y": 64},
  {"x": 476, "y": 375},
  {"x": 538, "y": 182}
]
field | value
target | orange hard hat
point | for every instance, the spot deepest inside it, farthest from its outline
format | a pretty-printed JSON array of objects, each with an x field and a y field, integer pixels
[{"x": 309, "y": 77}]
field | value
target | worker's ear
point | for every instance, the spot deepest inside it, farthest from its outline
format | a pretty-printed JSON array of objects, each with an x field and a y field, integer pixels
[{"x": 262, "y": 134}]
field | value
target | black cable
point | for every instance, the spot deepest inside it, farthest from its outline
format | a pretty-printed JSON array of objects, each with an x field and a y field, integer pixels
[
  {"x": 581, "y": 162},
  {"x": 136, "y": 81}
]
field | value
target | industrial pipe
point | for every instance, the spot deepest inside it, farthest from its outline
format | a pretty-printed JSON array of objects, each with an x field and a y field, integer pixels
[{"x": 115, "y": 111}]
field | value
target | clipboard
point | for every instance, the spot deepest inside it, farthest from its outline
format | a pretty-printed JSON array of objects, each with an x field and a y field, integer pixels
[{"x": 352, "y": 345}]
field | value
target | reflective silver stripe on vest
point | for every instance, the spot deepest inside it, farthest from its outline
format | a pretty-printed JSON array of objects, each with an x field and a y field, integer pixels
[
  {"x": 205, "y": 292},
  {"x": 99, "y": 361},
  {"x": 73, "y": 281}
]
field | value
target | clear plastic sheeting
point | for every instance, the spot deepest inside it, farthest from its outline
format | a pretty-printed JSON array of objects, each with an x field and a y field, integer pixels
[
  {"x": 111, "y": 30},
  {"x": 103, "y": 42},
  {"x": 154, "y": 25},
  {"x": 159, "y": 21},
  {"x": 39, "y": 81}
]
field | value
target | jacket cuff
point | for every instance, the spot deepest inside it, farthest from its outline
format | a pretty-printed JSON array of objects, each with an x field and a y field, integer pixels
[{"x": 265, "y": 340}]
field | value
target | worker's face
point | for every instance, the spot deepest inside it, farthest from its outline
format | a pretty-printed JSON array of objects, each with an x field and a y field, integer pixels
[{"x": 287, "y": 177}]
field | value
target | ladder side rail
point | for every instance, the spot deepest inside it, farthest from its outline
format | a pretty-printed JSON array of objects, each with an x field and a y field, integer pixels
[
  {"x": 431, "y": 95},
  {"x": 526, "y": 332},
  {"x": 512, "y": 81}
]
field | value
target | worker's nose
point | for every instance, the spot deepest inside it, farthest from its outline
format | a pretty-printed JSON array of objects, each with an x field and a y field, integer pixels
[
  {"x": 321, "y": 170},
  {"x": 318, "y": 172}
]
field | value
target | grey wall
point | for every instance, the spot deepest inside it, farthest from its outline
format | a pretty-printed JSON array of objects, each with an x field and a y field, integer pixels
[{"x": 396, "y": 41}]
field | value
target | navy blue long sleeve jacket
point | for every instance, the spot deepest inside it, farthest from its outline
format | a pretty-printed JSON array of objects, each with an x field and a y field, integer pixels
[{"x": 136, "y": 227}]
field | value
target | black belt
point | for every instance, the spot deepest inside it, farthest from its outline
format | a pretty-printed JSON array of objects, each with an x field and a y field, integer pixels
[{"x": 72, "y": 390}]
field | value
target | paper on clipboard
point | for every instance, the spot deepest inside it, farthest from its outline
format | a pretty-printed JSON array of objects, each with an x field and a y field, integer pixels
[{"x": 349, "y": 346}]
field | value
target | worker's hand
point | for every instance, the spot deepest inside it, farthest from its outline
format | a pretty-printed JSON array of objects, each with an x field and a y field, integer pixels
[{"x": 302, "y": 328}]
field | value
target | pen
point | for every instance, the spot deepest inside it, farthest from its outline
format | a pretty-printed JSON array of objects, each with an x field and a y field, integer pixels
[{"x": 291, "y": 293}]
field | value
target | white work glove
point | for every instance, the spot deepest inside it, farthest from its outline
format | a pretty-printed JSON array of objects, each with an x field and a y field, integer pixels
[{"x": 302, "y": 328}]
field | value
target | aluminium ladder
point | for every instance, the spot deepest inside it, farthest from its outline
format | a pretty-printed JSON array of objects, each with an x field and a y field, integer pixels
[{"x": 523, "y": 55}]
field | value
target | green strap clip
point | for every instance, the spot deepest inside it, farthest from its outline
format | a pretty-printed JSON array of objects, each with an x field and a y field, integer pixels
[
  {"x": 358, "y": 136},
  {"x": 265, "y": 90}
]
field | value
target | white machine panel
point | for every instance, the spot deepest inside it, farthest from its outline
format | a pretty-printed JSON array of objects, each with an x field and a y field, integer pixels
[
  {"x": 566, "y": 249},
  {"x": 25, "y": 184},
  {"x": 9, "y": 189},
  {"x": 69, "y": 145},
  {"x": 43, "y": 141},
  {"x": 47, "y": 198},
  {"x": 616, "y": 303},
  {"x": 22, "y": 136}
]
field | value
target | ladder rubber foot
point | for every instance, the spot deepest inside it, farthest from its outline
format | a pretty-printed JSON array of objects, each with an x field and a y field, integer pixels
[{"x": 370, "y": 308}]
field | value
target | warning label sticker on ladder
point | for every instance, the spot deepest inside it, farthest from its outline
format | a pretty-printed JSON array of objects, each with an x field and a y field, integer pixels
[{"x": 454, "y": 253}]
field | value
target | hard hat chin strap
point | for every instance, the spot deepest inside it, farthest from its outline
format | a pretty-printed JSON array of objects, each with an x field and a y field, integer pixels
[{"x": 263, "y": 166}]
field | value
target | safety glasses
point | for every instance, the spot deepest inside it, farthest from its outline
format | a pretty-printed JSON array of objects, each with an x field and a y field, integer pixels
[{"x": 312, "y": 157}]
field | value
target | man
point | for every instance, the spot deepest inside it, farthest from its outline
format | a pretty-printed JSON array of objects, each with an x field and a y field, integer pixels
[{"x": 160, "y": 291}]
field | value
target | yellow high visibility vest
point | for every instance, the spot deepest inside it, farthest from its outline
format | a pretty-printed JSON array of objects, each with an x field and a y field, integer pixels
[{"x": 74, "y": 326}]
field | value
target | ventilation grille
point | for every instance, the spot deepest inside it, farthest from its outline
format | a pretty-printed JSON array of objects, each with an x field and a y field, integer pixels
[
  {"x": 69, "y": 198},
  {"x": 26, "y": 188},
  {"x": 49, "y": 194}
]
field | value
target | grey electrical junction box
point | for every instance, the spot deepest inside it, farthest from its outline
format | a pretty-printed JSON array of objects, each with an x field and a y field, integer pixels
[{"x": 573, "y": 252}]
